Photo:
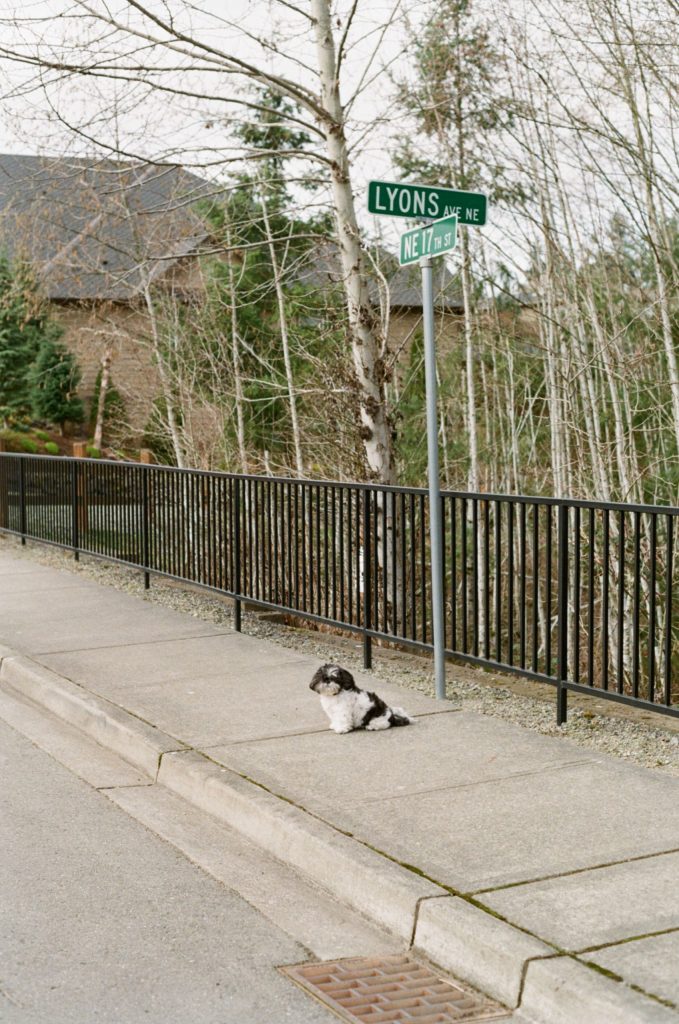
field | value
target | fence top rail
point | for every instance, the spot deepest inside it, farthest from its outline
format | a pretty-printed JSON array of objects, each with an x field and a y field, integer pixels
[{"x": 517, "y": 499}]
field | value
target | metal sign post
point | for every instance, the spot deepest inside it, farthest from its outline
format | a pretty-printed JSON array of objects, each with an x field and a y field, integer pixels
[
  {"x": 434, "y": 489},
  {"x": 442, "y": 210}
]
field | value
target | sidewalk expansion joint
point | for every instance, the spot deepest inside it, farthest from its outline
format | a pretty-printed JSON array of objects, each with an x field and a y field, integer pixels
[
  {"x": 623, "y": 942},
  {"x": 574, "y": 871},
  {"x": 473, "y": 902},
  {"x": 265, "y": 739},
  {"x": 612, "y": 976},
  {"x": 485, "y": 782},
  {"x": 138, "y": 643},
  {"x": 126, "y": 785}
]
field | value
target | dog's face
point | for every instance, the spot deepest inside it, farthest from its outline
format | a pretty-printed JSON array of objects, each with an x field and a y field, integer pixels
[{"x": 331, "y": 680}]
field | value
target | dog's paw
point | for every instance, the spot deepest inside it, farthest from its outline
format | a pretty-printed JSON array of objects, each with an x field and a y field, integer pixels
[{"x": 339, "y": 729}]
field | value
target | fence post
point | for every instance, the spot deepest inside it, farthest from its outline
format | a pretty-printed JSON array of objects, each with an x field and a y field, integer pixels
[
  {"x": 145, "y": 524},
  {"x": 22, "y": 500},
  {"x": 75, "y": 539},
  {"x": 4, "y": 491},
  {"x": 367, "y": 583},
  {"x": 562, "y": 614},
  {"x": 236, "y": 541},
  {"x": 146, "y": 458},
  {"x": 79, "y": 504}
]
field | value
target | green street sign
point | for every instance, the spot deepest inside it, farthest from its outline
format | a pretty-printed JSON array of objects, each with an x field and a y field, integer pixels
[
  {"x": 390, "y": 199},
  {"x": 433, "y": 240}
]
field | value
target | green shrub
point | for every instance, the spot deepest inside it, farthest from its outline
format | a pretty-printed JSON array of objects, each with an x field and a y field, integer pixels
[
  {"x": 29, "y": 445},
  {"x": 51, "y": 448},
  {"x": 12, "y": 440},
  {"x": 41, "y": 435},
  {"x": 92, "y": 452}
]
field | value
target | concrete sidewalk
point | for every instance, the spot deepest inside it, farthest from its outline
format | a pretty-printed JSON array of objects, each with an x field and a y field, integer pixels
[{"x": 543, "y": 874}]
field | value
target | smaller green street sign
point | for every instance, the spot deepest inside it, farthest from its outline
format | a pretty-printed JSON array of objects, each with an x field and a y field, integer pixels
[
  {"x": 434, "y": 240},
  {"x": 418, "y": 202}
]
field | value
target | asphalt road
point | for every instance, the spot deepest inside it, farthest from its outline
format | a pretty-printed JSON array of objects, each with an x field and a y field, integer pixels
[{"x": 100, "y": 920}]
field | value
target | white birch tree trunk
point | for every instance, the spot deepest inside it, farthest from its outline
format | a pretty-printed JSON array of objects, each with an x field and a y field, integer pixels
[{"x": 367, "y": 346}]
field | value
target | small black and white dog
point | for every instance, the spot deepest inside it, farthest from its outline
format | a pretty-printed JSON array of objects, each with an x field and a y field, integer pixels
[{"x": 348, "y": 707}]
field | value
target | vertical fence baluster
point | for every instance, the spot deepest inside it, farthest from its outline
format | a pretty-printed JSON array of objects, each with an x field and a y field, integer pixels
[
  {"x": 576, "y": 596},
  {"x": 75, "y": 542},
  {"x": 510, "y": 583},
  {"x": 667, "y": 694},
  {"x": 486, "y": 579},
  {"x": 237, "y": 583},
  {"x": 548, "y": 591},
  {"x": 562, "y": 599},
  {"x": 522, "y": 593},
  {"x": 145, "y": 526},
  {"x": 475, "y": 573},
  {"x": 620, "y": 671},
  {"x": 367, "y": 580},
  {"x": 498, "y": 581},
  {"x": 424, "y": 534},
  {"x": 465, "y": 582},
  {"x": 536, "y": 589},
  {"x": 604, "y": 594},
  {"x": 652, "y": 610},
  {"x": 413, "y": 535},
  {"x": 590, "y": 583},
  {"x": 637, "y": 605}
]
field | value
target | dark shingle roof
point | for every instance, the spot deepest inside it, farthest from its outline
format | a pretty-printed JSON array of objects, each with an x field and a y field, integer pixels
[
  {"x": 405, "y": 287},
  {"x": 97, "y": 229}
]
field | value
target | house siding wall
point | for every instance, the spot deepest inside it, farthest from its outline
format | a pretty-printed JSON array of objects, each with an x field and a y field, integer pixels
[{"x": 89, "y": 329}]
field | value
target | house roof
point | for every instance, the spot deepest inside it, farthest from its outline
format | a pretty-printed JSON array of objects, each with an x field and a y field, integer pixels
[
  {"x": 97, "y": 229},
  {"x": 101, "y": 229},
  {"x": 403, "y": 283}
]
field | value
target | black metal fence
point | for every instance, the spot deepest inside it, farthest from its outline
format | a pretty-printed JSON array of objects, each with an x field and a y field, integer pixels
[{"x": 577, "y": 594}]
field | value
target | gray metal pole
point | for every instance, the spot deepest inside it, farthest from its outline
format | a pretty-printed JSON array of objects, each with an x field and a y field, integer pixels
[{"x": 434, "y": 490}]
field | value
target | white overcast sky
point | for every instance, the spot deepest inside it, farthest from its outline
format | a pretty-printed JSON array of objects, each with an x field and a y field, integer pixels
[{"x": 161, "y": 128}]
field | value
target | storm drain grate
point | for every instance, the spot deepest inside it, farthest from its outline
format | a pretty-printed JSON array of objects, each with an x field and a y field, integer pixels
[{"x": 379, "y": 990}]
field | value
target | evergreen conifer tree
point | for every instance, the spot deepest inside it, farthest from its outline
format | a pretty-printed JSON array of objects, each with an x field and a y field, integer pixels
[
  {"x": 22, "y": 325},
  {"x": 53, "y": 381}
]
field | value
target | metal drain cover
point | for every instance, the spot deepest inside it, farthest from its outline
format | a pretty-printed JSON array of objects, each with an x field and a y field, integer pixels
[{"x": 385, "y": 989}]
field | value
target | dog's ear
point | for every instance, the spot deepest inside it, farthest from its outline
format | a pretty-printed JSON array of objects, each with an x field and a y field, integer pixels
[
  {"x": 344, "y": 678},
  {"x": 319, "y": 676}
]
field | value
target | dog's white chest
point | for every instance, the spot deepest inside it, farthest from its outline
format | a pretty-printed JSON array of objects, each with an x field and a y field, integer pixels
[{"x": 346, "y": 709}]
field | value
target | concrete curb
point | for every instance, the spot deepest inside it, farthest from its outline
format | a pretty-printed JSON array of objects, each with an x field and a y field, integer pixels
[
  {"x": 477, "y": 946},
  {"x": 373, "y": 885},
  {"x": 132, "y": 739},
  {"x": 471, "y": 943},
  {"x": 564, "y": 991}
]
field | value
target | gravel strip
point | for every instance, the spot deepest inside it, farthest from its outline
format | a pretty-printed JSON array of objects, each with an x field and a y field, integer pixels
[{"x": 611, "y": 729}]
